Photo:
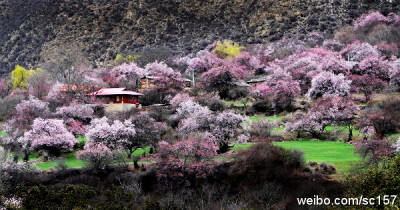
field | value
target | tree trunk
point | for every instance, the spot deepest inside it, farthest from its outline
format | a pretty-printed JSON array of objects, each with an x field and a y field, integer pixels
[
  {"x": 350, "y": 134},
  {"x": 135, "y": 164},
  {"x": 130, "y": 153},
  {"x": 223, "y": 147},
  {"x": 26, "y": 157}
]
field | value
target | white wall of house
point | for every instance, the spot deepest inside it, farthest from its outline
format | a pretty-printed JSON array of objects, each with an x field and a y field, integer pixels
[{"x": 120, "y": 107}]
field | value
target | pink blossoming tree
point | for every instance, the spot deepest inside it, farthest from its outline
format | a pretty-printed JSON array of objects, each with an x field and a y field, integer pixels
[
  {"x": 49, "y": 135},
  {"x": 221, "y": 78},
  {"x": 118, "y": 135},
  {"x": 76, "y": 111},
  {"x": 194, "y": 117},
  {"x": 126, "y": 75},
  {"x": 327, "y": 83},
  {"x": 57, "y": 97},
  {"x": 164, "y": 76},
  {"x": 98, "y": 155},
  {"x": 376, "y": 66},
  {"x": 366, "y": 84},
  {"x": 186, "y": 161},
  {"x": 27, "y": 111},
  {"x": 148, "y": 132},
  {"x": 225, "y": 127},
  {"x": 358, "y": 51}
]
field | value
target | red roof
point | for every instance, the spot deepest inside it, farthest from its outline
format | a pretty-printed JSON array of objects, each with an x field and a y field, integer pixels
[{"x": 114, "y": 91}]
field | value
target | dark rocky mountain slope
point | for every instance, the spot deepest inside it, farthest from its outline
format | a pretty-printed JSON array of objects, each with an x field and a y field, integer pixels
[{"x": 103, "y": 28}]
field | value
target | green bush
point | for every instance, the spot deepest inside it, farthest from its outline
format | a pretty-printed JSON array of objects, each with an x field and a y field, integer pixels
[
  {"x": 117, "y": 198},
  {"x": 69, "y": 197},
  {"x": 377, "y": 180}
]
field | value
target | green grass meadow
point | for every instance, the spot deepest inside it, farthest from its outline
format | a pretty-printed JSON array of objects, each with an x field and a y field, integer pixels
[
  {"x": 71, "y": 161},
  {"x": 339, "y": 154}
]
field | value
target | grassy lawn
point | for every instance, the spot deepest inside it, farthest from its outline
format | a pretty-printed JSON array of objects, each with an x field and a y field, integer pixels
[
  {"x": 339, "y": 154},
  {"x": 342, "y": 129},
  {"x": 81, "y": 139},
  {"x": 242, "y": 146},
  {"x": 72, "y": 162},
  {"x": 234, "y": 103},
  {"x": 259, "y": 118},
  {"x": 395, "y": 135},
  {"x": 31, "y": 157},
  {"x": 3, "y": 134}
]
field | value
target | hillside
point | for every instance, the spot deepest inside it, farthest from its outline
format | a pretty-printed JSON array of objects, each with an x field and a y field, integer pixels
[{"x": 103, "y": 28}]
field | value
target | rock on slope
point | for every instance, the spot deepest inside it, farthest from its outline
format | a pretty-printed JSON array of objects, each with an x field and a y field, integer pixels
[{"x": 103, "y": 28}]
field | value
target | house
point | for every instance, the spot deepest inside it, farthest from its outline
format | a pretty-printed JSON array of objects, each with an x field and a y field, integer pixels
[
  {"x": 188, "y": 82},
  {"x": 118, "y": 99},
  {"x": 147, "y": 82},
  {"x": 240, "y": 84},
  {"x": 256, "y": 81}
]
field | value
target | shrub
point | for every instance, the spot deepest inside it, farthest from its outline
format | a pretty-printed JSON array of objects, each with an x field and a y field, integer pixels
[
  {"x": 264, "y": 106},
  {"x": 41, "y": 197},
  {"x": 117, "y": 198},
  {"x": 264, "y": 162},
  {"x": 185, "y": 162},
  {"x": 261, "y": 130},
  {"x": 376, "y": 180},
  {"x": 227, "y": 49},
  {"x": 3, "y": 88},
  {"x": 333, "y": 45},
  {"x": 380, "y": 119},
  {"x": 119, "y": 59},
  {"x": 99, "y": 156},
  {"x": 236, "y": 93},
  {"x": 8, "y": 104},
  {"x": 374, "y": 150},
  {"x": 213, "y": 103}
]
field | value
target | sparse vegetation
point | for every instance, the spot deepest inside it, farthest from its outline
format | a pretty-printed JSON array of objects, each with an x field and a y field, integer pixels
[{"x": 226, "y": 127}]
